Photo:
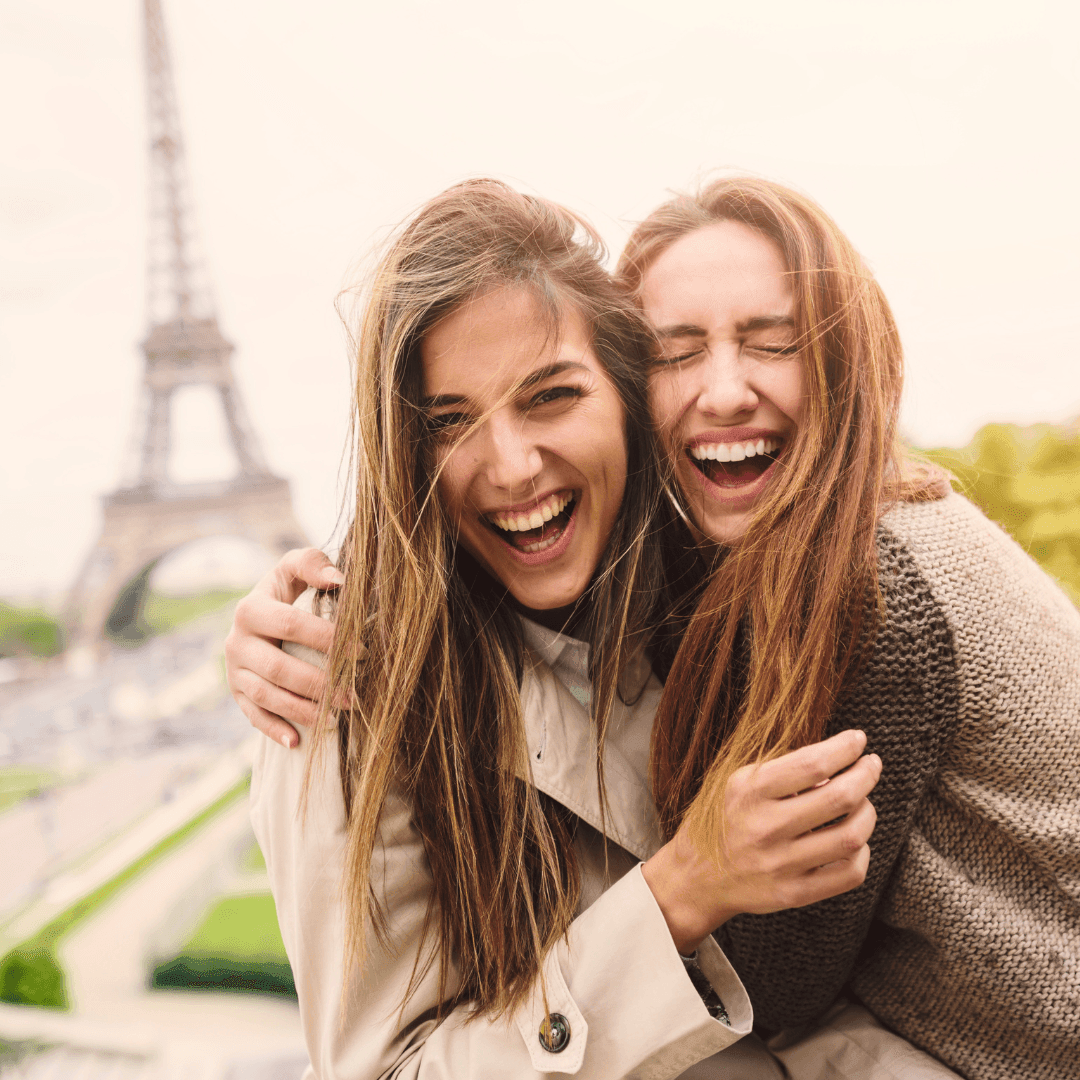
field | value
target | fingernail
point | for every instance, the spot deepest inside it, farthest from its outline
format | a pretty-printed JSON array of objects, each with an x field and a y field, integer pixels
[
  {"x": 877, "y": 759},
  {"x": 333, "y": 574},
  {"x": 286, "y": 742}
]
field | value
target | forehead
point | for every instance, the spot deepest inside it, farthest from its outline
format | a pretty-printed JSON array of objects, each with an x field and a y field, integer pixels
[
  {"x": 492, "y": 341},
  {"x": 723, "y": 273}
]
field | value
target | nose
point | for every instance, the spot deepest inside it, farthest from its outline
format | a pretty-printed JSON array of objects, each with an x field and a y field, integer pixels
[
  {"x": 725, "y": 385},
  {"x": 513, "y": 460}
]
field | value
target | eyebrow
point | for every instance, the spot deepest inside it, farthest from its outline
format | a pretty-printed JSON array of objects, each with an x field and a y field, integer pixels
[
  {"x": 766, "y": 322},
  {"x": 680, "y": 330},
  {"x": 548, "y": 371},
  {"x": 747, "y": 326}
]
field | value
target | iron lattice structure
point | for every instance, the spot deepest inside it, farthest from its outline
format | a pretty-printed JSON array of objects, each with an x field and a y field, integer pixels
[{"x": 151, "y": 514}]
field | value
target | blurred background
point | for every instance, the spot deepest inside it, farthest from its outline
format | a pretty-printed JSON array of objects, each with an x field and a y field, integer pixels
[{"x": 136, "y": 931}]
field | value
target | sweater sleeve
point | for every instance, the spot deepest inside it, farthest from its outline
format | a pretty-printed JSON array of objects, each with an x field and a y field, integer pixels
[
  {"x": 795, "y": 963},
  {"x": 616, "y": 986},
  {"x": 976, "y": 951}
]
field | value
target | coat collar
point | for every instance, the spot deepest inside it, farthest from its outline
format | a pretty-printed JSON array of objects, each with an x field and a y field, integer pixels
[{"x": 555, "y": 698}]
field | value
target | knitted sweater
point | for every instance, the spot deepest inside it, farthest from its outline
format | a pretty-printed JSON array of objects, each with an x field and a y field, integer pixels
[{"x": 965, "y": 937}]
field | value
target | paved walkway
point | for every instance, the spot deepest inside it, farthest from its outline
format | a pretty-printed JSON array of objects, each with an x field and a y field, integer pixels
[
  {"x": 154, "y": 736},
  {"x": 197, "y": 1035}
]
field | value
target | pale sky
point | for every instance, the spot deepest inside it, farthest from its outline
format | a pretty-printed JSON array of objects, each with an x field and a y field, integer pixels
[{"x": 941, "y": 134}]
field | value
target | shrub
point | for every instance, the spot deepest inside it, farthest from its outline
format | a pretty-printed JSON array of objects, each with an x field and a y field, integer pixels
[{"x": 31, "y": 975}]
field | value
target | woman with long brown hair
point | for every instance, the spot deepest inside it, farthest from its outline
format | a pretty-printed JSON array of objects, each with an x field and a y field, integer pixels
[{"x": 456, "y": 856}]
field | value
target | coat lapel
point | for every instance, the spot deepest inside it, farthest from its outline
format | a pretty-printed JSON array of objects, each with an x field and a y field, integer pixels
[{"x": 562, "y": 753}]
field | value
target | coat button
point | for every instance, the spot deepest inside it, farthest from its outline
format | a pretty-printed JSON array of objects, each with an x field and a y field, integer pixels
[{"x": 555, "y": 1033}]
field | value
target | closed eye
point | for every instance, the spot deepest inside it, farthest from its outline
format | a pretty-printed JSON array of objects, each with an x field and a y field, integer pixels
[
  {"x": 680, "y": 358},
  {"x": 774, "y": 350}
]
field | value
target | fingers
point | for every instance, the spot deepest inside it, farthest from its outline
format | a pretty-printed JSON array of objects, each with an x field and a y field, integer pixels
[
  {"x": 826, "y": 863},
  {"x": 302, "y": 568},
  {"x": 258, "y": 614},
  {"x": 272, "y": 699},
  {"x": 276, "y": 666},
  {"x": 835, "y": 878},
  {"x": 809, "y": 766},
  {"x": 842, "y": 841},
  {"x": 273, "y": 727},
  {"x": 247, "y": 651},
  {"x": 833, "y": 799}
]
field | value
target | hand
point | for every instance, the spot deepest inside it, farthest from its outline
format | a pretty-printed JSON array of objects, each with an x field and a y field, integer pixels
[
  {"x": 775, "y": 853},
  {"x": 270, "y": 686}
]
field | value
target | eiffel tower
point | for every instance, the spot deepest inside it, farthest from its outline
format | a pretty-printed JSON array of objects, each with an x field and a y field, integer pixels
[{"x": 150, "y": 514}]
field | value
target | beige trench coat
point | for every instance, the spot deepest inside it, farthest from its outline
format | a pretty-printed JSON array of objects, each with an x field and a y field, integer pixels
[{"x": 631, "y": 1009}]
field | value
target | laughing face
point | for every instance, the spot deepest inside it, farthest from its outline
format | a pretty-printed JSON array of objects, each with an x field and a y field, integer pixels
[
  {"x": 728, "y": 389},
  {"x": 531, "y": 450}
]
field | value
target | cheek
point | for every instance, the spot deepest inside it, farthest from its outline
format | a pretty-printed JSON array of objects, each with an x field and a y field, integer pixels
[
  {"x": 791, "y": 392},
  {"x": 451, "y": 484},
  {"x": 608, "y": 454},
  {"x": 616, "y": 474},
  {"x": 665, "y": 404}
]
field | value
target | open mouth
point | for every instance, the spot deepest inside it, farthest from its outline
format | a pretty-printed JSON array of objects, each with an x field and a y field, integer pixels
[
  {"x": 537, "y": 529},
  {"x": 734, "y": 465}
]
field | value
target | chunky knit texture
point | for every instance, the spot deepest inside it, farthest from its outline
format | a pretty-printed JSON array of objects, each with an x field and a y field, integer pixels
[{"x": 965, "y": 937}]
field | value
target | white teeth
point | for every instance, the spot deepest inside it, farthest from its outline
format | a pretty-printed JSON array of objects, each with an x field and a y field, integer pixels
[
  {"x": 540, "y": 545},
  {"x": 548, "y": 509},
  {"x": 734, "y": 451}
]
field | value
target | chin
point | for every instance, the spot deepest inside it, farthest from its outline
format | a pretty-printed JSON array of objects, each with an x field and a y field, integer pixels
[
  {"x": 728, "y": 533},
  {"x": 722, "y": 529},
  {"x": 547, "y": 599}
]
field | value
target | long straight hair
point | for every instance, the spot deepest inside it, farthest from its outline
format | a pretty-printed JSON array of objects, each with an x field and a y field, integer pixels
[
  {"x": 791, "y": 607},
  {"x": 428, "y": 653}
]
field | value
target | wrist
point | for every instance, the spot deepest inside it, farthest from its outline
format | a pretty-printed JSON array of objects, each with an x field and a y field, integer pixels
[{"x": 685, "y": 922}]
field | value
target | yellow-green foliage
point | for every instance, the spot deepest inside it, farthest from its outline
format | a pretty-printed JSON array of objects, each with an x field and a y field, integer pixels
[
  {"x": 28, "y": 632},
  {"x": 1027, "y": 479}
]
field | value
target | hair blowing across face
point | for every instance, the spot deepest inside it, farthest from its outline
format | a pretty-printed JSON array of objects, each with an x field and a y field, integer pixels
[
  {"x": 793, "y": 605},
  {"x": 427, "y": 651}
]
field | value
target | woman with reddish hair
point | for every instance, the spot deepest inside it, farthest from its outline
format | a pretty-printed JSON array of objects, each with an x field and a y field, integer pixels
[{"x": 848, "y": 585}]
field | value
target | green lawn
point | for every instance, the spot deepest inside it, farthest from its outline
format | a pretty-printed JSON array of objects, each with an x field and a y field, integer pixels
[
  {"x": 240, "y": 926},
  {"x": 18, "y": 781},
  {"x": 164, "y": 613},
  {"x": 237, "y": 947},
  {"x": 30, "y": 974},
  {"x": 253, "y": 861}
]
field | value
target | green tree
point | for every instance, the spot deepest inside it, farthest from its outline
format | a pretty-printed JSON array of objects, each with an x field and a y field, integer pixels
[{"x": 1028, "y": 481}]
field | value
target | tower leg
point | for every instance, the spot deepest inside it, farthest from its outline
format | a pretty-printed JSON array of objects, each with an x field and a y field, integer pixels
[{"x": 156, "y": 442}]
